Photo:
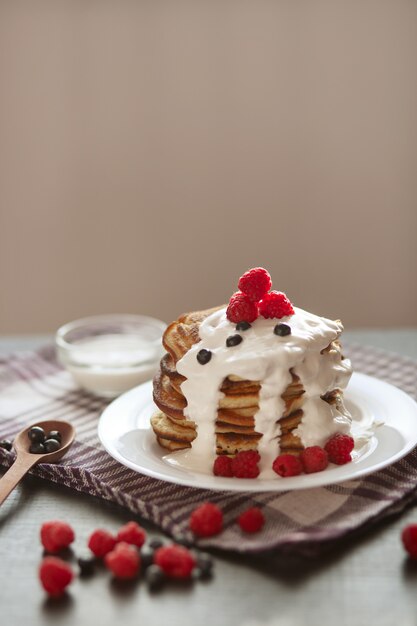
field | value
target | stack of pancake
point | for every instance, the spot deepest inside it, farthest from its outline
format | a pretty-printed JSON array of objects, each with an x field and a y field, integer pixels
[{"x": 235, "y": 423}]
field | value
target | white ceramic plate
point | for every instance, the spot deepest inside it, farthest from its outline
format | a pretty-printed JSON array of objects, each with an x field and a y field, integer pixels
[{"x": 125, "y": 432}]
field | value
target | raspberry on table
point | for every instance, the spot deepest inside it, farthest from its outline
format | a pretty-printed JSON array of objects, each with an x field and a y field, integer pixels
[
  {"x": 241, "y": 308},
  {"x": 56, "y": 535},
  {"x": 409, "y": 539},
  {"x": 206, "y": 520},
  {"x": 339, "y": 448},
  {"x": 275, "y": 304},
  {"x": 223, "y": 466},
  {"x": 314, "y": 459},
  {"x": 251, "y": 520},
  {"x": 255, "y": 283},
  {"x": 175, "y": 561},
  {"x": 123, "y": 561},
  {"x": 132, "y": 533},
  {"x": 245, "y": 464},
  {"x": 287, "y": 465},
  {"x": 101, "y": 542},
  {"x": 55, "y": 575}
]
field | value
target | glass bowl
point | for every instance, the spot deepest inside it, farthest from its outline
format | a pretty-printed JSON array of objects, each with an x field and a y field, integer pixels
[{"x": 109, "y": 354}]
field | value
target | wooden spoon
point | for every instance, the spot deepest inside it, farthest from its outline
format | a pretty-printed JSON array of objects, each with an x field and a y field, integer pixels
[{"x": 25, "y": 459}]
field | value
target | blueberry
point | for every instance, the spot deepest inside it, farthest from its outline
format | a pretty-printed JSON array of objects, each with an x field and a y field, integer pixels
[
  {"x": 54, "y": 434},
  {"x": 86, "y": 565},
  {"x": 282, "y": 330},
  {"x": 233, "y": 340},
  {"x": 155, "y": 577},
  {"x": 146, "y": 557},
  {"x": 156, "y": 543},
  {"x": 6, "y": 444},
  {"x": 204, "y": 565},
  {"x": 37, "y": 447},
  {"x": 203, "y": 356},
  {"x": 243, "y": 326},
  {"x": 51, "y": 445},
  {"x": 36, "y": 434},
  {"x": 183, "y": 541}
]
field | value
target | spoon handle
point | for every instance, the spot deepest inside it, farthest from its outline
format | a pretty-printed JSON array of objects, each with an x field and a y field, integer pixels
[{"x": 15, "y": 473}]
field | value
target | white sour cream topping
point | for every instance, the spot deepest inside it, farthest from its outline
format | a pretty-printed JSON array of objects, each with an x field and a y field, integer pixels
[{"x": 265, "y": 357}]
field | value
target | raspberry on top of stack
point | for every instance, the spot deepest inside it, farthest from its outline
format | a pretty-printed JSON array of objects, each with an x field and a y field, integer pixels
[{"x": 258, "y": 375}]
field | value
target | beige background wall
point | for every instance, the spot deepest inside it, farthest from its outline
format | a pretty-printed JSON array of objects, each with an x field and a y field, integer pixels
[{"x": 151, "y": 151}]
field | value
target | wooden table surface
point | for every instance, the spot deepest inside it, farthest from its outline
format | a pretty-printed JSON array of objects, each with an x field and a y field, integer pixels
[{"x": 366, "y": 580}]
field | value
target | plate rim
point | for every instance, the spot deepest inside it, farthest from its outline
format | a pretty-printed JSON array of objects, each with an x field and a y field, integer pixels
[{"x": 305, "y": 481}]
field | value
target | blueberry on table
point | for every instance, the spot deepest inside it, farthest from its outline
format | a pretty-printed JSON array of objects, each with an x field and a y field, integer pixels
[
  {"x": 36, "y": 434},
  {"x": 156, "y": 543},
  {"x": 6, "y": 444},
  {"x": 205, "y": 565},
  {"x": 155, "y": 577},
  {"x": 37, "y": 447},
  {"x": 86, "y": 565},
  {"x": 51, "y": 445}
]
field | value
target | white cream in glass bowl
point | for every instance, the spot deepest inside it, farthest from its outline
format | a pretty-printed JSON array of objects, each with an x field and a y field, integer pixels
[{"x": 109, "y": 354}]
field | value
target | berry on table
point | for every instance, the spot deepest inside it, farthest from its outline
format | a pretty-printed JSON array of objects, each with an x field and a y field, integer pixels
[
  {"x": 255, "y": 283},
  {"x": 287, "y": 465},
  {"x": 251, "y": 520},
  {"x": 339, "y": 448},
  {"x": 175, "y": 561},
  {"x": 55, "y": 575},
  {"x": 86, "y": 565},
  {"x": 245, "y": 464},
  {"x": 155, "y": 577},
  {"x": 241, "y": 308},
  {"x": 275, "y": 304},
  {"x": 206, "y": 520},
  {"x": 156, "y": 543},
  {"x": 132, "y": 533},
  {"x": 314, "y": 459},
  {"x": 223, "y": 466},
  {"x": 204, "y": 565},
  {"x": 101, "y": 542},
  {"x": 409, "y": 539},
  {"x": 123, "y": 561},
  {"x": 56, "y": 535}
]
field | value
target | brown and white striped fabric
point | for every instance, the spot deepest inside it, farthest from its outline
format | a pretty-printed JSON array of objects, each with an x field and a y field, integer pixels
[{"x": 33, "y": 386}]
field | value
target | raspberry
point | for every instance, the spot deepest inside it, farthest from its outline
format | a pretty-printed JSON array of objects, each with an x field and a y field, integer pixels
[
  {"x": 206, "y": 520},
  {"x": 409, "y": 539},
  {"x": 123, "y": 561},
  {"x": 101, "y": 542},
  {"x": 255, "y": 283},
  {"x": 287, "y": 465},
  {"x": 175, "y": 561},
  {"x": 275, "y": 304},
  {"x": 223, "y": 466},
  {"x": 55, "y": 575},
  {"x": 132, "y": 533},
  {"x": 241, "y": 308},
  {"x": 252, "y": 520},
  {"x": 339, "y": 448},
  {"x": 56, "y": 535},
  {"x": 245, "y": 464},
  {"x": 314, "y": 459}
]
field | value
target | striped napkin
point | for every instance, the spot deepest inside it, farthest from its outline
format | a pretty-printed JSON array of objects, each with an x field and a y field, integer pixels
[{"x": 33, "y": 386}]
